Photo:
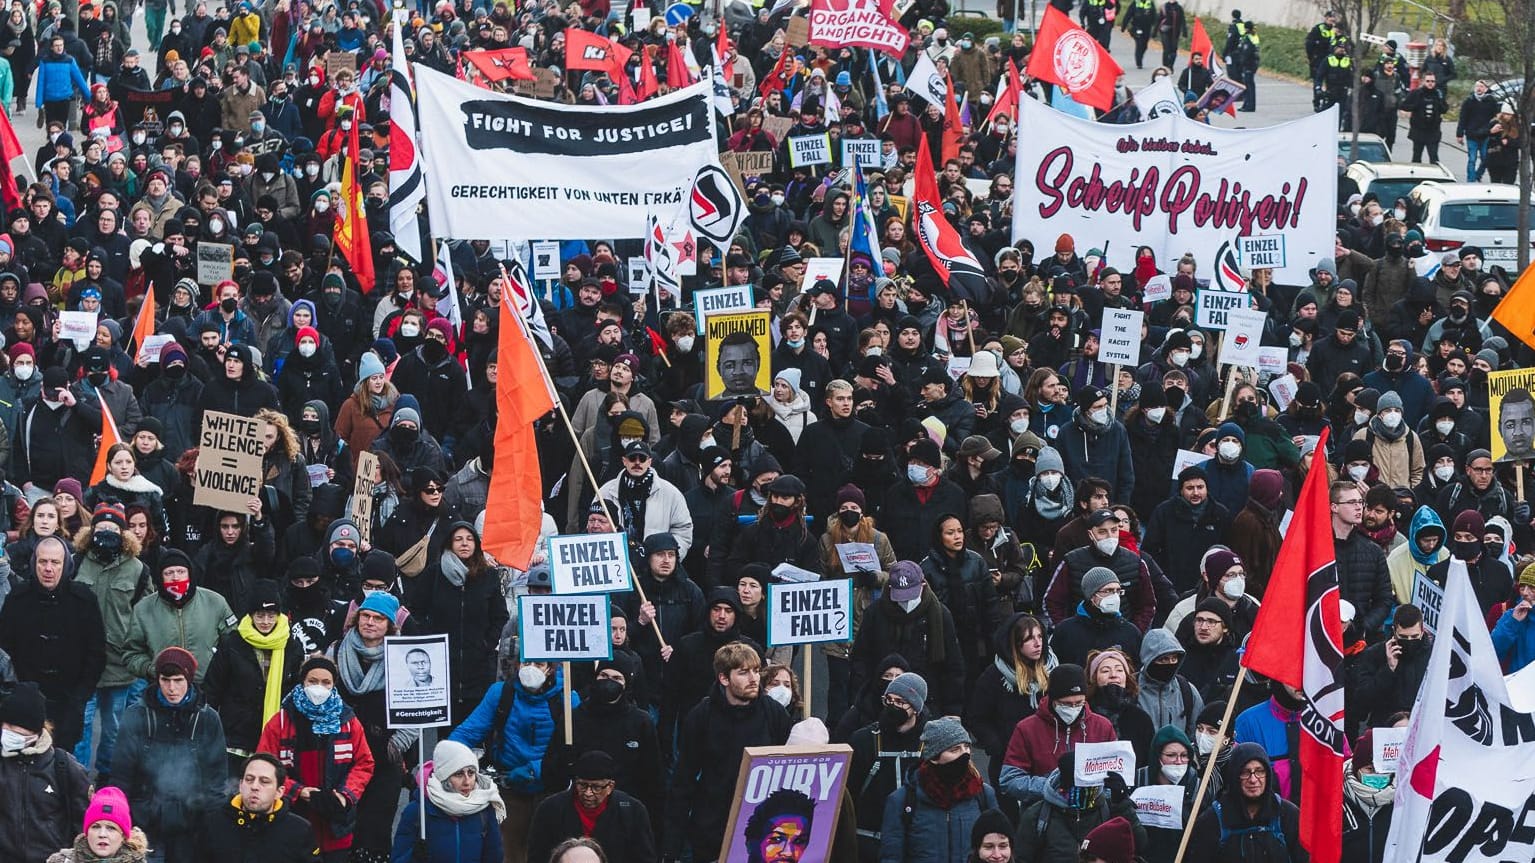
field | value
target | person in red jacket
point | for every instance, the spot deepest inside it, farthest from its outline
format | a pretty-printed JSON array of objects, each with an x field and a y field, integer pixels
[
  {"x": 1063, "y": 720},
  {"x": 322, "y": 745}
]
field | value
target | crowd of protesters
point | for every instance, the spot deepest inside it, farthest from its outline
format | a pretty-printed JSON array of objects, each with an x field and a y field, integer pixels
[{"x": 188, "y": 684}]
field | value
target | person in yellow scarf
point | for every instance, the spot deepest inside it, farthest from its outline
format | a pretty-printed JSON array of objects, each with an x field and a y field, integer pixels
[{"x": 255, "y": 664}]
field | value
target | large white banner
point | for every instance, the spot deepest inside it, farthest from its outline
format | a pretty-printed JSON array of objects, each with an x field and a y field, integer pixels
[
  {"x": 1465, "y": 782},
  {"x": 504, "y": 167},
  {"x": 1177, "y": 186}
]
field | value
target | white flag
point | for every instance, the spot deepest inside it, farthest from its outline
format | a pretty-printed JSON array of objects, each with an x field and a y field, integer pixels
[{"x": 407, "y": 185}]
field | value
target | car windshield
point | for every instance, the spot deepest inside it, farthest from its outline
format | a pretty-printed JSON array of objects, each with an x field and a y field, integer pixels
[
  {"x": 1369, "y": 151},
  {"x": 1480, "y": 216},
  {"x": 1388, "y": 190}
]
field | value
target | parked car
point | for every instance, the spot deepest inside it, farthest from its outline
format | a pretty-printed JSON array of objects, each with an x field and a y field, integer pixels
[
  {"x": 1392, "y": 180},
  {"x": 1372, "y": 148},
  {"x": 1451, "y": 215}
]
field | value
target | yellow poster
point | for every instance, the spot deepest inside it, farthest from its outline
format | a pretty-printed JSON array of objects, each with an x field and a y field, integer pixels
[
  {"x": 739, "y": 355},
  {"x": 1512, "y": 409}
]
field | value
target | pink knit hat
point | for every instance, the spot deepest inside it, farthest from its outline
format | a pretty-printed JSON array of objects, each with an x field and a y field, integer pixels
[{"x": 109, "y": 804}]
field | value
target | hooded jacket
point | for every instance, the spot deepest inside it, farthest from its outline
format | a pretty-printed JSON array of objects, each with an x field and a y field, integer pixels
[
  {"x": 117, "y": 585},
  {"x": 521, "y": 743},
  {"x": 1225, "y": 834},
  {"x": 1064, "y": 827},
  {"x": 1037, "y": 744},
  {"x": 279, "y": 836},
  {"x": 1175, "y": 702},
  {"x": 244, "y": 397},
  {"x": 46, "y": 793},
  {"x": 1406, "y": 561},
  {"x": 929, "y": 642},
  {"x": 171, "y": 762},
  {"x": 55, "y": 638},
  {"x": 196, "y": 624},
  {"x": 998, "y": 702}
]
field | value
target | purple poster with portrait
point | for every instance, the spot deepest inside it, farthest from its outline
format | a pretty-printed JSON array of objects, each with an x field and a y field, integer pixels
[{"x": 786, "y": 804}]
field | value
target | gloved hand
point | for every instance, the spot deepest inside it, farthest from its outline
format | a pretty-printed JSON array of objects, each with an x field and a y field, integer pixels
[
  {"x": 1521, "y": 513},
  {"x": 1114, "y": 784},
  {"x": 520, "y": 775}
]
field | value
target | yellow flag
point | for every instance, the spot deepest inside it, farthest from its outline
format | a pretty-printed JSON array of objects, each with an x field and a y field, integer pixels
[{"x": 1517, "y": 310}]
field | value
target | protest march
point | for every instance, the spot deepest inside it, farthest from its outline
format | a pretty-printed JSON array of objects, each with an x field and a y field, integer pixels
[{"x": 926, "y": 435}]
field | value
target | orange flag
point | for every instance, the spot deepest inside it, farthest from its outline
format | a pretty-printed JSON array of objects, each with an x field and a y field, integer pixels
[
  {"x": 1199, "y": 43},
  {"x": 144, "y": 324},
  {"x": 351, "y": 232},
  {"x": 953, "y": 128},
  {"x": 108, "y": 438},
  {"x": 514, "y": 513},
  {"x": 1516, "y": 311}
]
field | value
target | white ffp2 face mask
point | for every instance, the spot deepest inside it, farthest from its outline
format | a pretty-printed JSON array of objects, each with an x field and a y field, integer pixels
[
  {"x": 1108, "y": 545},
  {"x": 780, "y": 694},
  {"x": 1174, "y": 773},
  {"x": 531, "y": 677},
  {"x": 1109, "y": 604},
  {"x": 317, "y": 693}
]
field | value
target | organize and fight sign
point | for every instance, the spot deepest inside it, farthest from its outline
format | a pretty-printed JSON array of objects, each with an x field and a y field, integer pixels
[
  {"x": 865, "y": 23},
  {"x": 1178, "y": 186},
  {"x": 503, "y": 167}
]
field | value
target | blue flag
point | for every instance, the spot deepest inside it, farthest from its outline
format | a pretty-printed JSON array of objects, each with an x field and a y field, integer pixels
[{"x": 865, "y": 235}]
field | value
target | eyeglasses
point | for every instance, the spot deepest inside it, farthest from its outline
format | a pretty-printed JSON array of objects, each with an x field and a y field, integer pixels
[
  {"x": 1355, "y": 502},
  {"x": 1479, "y": 469},
  {"x": 637, "y": 458},
  {"x": 1254, "y": 773},
  {"x": 1206, "y": 621},
  {"x": 584, "y": 787}
]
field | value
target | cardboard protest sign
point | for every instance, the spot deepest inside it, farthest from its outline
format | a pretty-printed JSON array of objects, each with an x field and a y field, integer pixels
[
  {"x": 362, "y": 494},
  {"x": 797, "y": 33},
  {"x": 807, "y": 150},
  {"x": 777, "y": 126},
  {"x": 1121, "y": 339},
  {"x": 338, "y": 61},
  {"x": 1213, "y": 308},
  {"x": 817, "y": 269},
  {"x": 228, "y": 461},
  {"x": 1262, "y": 251},
  {"x": 858, "y": 556},
  {"x": 546, "y": 260},
  {"x": 1159, "y": 806},
  {"x": 590, "y": 563},
  {"x": 78, "y": 327},
  {"x": 1388, "y": 748},
  {"x": 1097, "y": 760},
  {"x": 732, "y": 298},
  {"x": 1512, "y": 410},
  {"x": 564, "y": 628},
  {"x": 743, "y": 165},
  {"x": 810, "y": 613},
  {"x": 863, "y": 151},
  {"x": 738, "y": 348},
  {"x": 1429, "y": 598},
  {"x": 786, "y": 795},
  {"x": 215, "y": 263},
  {"x": 1244, "y": 337},
  {"x": 417, "y": 688}
]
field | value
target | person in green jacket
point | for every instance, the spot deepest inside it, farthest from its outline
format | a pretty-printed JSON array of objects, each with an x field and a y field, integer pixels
[
  {"x": 107, "y": 561},
  {"x": 7, "y": 86},
  {"x": 1268, "y": 444},
  {"x": 180, "y": 614}
]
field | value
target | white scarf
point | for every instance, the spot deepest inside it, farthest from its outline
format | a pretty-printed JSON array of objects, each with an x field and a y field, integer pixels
[{"x": 463, "y": 805}]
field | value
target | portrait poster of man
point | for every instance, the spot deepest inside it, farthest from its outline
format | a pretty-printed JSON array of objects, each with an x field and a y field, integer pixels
[
  {"x": 417, "y": 691},
  {"x": 1512, "y": 409},
  {"x": 786, "y": 804},
  {"x": 739, "y": 358}
]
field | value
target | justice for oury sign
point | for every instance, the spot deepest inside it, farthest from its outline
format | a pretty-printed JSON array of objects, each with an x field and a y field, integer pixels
[
  {"x": 564, "y": 628},
  {"x": 810, "y": 613},
  {"x": 589, "y": 563}
]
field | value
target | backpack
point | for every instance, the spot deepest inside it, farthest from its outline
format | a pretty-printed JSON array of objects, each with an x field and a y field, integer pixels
[
  {"x": 1227, "y": 834},
  {"x": 504, "y": 712}
]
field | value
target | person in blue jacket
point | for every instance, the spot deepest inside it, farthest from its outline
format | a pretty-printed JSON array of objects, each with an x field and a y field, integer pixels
[
  {"x": 1227, "y": 474},
  {"x": 463, "y": 813},
  {"x": 518, "y": 730},
  {"x": 1514, "y": 635},
  {"x": 58, "y": 79}
]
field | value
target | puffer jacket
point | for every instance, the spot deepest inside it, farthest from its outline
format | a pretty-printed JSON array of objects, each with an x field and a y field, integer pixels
[
  {"x": 449, "y": 838},
  {"x": 1223, "y": 833},
  {"x": 171, "y": 762},
  {"x": 472, "y": 614},
  {"x": 1175, "y": 702},
  {"x": 45, "y": 792},
  {"x": 521, "y": 743},
  {"x": 929, "y": 834},
  {"x": 235, "y": 686}
]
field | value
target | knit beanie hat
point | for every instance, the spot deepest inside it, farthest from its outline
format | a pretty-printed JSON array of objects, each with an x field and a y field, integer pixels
[
  {"x": 1049, "y": 459},
  {"x": 1097, "y": 579},
  {"x": 911, "y": 688},
  {"x": 1470, "y": 522},
  {"x": 1266, "y": 487},
  {"x": 449, "y": 757},
  {"x": 1067, "y": 680},
  {"x": 1527, "y": 575},
  {"x": 381, "y": 603},
  {"x": 991, "y": 821},
  {"x": 25, "y": 708},
  {"x": 850, "y": 493},
  {"x": 321, "y": 662},
  {"x": 1113, "y": 841},
  {"x": 109, "y": 804},
  {"x": 176, "y": 661},
  {"x": 369, "y": 366},
  {"x": 939, "y": 735}
]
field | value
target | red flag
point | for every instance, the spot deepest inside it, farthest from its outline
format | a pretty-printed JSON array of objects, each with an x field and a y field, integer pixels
[
  {"x": 501, "y": 64},
  {"x": 1065, "y": 55},
  {"x": 953, "y": 126},
  {"x": 1007, "y": 100},
  {"x": 10, "y": 148},
  {"x": 962, "y": 274},
  {"x": 514, "y": 513},
  {"x": 585, "y": 50},
  {"x": 677, "y": 73},
  {"x": 779, "y": 77},
  {"x": 108, "y": 438},
  {"x": 1297, "y": 640},
  {"x": 350, "y": 235},
  {"x": 649, "y": 85},
  {"x": 722, "y": 43}
]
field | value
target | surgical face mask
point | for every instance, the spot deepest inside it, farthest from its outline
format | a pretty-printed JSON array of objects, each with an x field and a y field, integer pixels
[
  {"x": 306, "y": 349},
  {"x": 1375, "y": 781},
  {"x": 1400, "y": 213},
  {"x": 346, "y": 125},
  {"x": 317, "y": 693},
  {"x": 1107, "y": 545},
  {"x": 1050, "y": 480},
  {"x": 777, "y": 200},
  {"x": 1196, "y": 350},
  {"x": 1296, "y": 339},
  {"x": 910, "y": 605},
  {"x": 13, "y": 741},
  {"x": 258, "y": 127},
  {"x": 966, "y": 44},
  {"x": 410, "y": 330},
  {"x": 1391, "y": 419},
  {"x": 1229, "y": 450},
  {"x": 532, "y": 677},
  {"x": 1361, "y": 417},
  {"x": 1444, "y": 472},
  {"x": 342, "y": 556},
  {"x": 23, "y": 371},
  {"x": 917, "y": 473},
  {"x": 1444, "y": 427},
  {"x": 1204, "y": 742},
  {"x": 1109, "y": 604},
  {"x": 1179, "y": 358},
  {"x": 1068, "y": 713},
  {"x": 1099, "y": 416},
  {"x": 1357, "y": 471},
  {"x": 780, "y": 694},
  {"x": 684, "y": 343},
  {"x": 794, "y": 344},
  {"x": 1174, "y": 773},
  {"x": 1156, "y": 415},
  {"x": 1234, "y": 587}
]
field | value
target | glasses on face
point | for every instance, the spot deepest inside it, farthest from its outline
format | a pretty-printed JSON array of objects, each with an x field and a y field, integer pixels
[
  {"x": 1355, "y": 502},
  {"x": 1487, "y": 469},
  {"x": 1110, "y": 590},
  {"x": 1207, "y": 621},
  {"x": 636, "y": 459},
  {"x": 1254, "y": 773},
  {"x": 432, "y": 489},
  {"x": 593, "y": 788}
]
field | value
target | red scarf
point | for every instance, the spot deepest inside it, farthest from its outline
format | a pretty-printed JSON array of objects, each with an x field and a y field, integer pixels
[
  {"x": 948, "y": 796},
  {"x": 589, "y": 816}
]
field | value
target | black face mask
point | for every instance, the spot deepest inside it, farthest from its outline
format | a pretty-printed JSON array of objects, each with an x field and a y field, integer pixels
[
  {"x": 1161, "y": 672},
  {"x": 1412, "y": 646},
  {"x": 1494, "y": 548},
  {"x": 779, "y": 512},
  {"x": 1465, "y": 550},
  {"x": 228, "y": 305},
  {"x": 953, "y": 771},
  {"x": 176, "y": 372},
  {"x": 606, "y": 691},
  {"x": 309, "y": 426},
  {"x": 891, "y": 718},
  {"x": 850, "y": 518},
  {"x": 433, "y": 351},
  {"x": 331, "y": 299},
  {"x": 107, "y": 544},
  {"x": 97, "y": 378},
  {"x": 1174, "y": 397},
  {"x": 403, "y": 437},
  {"x": 1395, "y": 363}
]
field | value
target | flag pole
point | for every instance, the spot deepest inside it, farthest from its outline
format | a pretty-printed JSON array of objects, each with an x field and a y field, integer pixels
[
  {"x": 1204, "y": 781},
  {"x": 591, "y": 476}
]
